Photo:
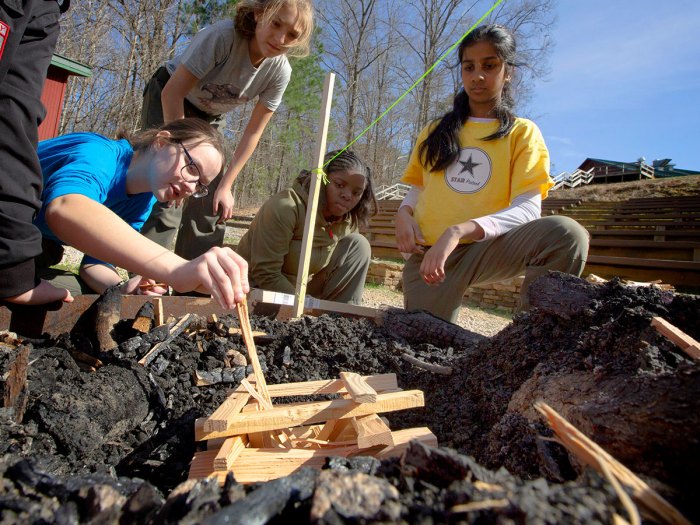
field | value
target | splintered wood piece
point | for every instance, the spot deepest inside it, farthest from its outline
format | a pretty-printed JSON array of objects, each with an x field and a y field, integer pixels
[
  {"x": 587, "y": 451},
  {"x": 380, "y": 383},
  {"x": 218, "y": 421},
  {"x": 308, "y": 413},
  {"x": 674, "y": 334},
  {"x": 358, "y": 388},
  {"x": 160, "y": 315},
  {"x": 254, "y": 393},
  {"x": 229, "y": 452},
  {"x": 333, "y": 429},
  {"x": 371, "y": 431},
  {"x": 244, "y": 320},
  {"x": 255, "y": 464}
]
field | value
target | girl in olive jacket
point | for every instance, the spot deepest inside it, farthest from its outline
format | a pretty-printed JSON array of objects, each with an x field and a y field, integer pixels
[{"x": 340, "y": 254}]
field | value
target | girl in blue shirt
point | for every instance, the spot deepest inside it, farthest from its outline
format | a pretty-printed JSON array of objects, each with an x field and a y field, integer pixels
[{"x": 98, "y": 192}]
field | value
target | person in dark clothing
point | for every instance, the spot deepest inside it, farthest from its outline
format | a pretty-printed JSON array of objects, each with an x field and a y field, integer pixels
[{"x": 28, "y": 35}]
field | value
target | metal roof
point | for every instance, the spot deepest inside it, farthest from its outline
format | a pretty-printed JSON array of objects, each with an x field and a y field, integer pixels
[{"x": 76, "y": 68}]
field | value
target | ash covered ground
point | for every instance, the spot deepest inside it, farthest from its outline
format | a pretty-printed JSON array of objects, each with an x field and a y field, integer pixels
[{"x": 114, "y": 445}]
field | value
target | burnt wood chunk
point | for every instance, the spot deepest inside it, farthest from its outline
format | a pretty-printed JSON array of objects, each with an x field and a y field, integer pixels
[
  {"x": 144, "y": 318},
  {"x": 13, "y": 380},
  {"x": 562, "y": 294},
  {"x": 109, "y": 307},
  {"x": 421, "y": 326}
]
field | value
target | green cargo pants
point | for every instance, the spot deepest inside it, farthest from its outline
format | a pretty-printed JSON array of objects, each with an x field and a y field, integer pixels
[
  {"x": 550, "y": 243},
  {"x": 195, "y": 223}
]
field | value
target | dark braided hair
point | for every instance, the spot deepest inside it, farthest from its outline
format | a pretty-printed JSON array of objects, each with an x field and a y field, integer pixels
[
  {"x": 349, "y": 161},
  {"x": 441, "y": 148}
]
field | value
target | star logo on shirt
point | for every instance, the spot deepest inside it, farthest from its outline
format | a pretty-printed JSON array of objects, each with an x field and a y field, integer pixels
[
  {"x": 469, "y": 166},
  {"x": 471, "y": 174}
]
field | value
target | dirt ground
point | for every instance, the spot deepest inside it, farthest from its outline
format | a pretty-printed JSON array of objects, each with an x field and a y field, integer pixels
[{"x": 590, "y": 354}]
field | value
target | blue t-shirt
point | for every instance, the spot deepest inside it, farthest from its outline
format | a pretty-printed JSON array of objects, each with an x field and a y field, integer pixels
[{"x": 91, "y": 165}]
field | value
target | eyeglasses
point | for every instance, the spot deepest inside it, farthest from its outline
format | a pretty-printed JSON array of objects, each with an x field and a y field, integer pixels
[{"x": 191, "y": 169}]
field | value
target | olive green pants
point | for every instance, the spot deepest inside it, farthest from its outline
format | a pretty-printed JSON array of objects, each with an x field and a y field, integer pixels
[
  {"x": 194, "y": 223},
  {"x": 550, "y": 243},
  {"x": 343, "y": 278}
]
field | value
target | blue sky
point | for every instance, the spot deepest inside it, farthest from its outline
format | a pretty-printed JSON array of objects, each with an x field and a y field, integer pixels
[{"x": 624, "y": 83}]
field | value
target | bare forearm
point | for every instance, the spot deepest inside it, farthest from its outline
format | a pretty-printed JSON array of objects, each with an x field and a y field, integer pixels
[
  {"x": 468, "y": 230},
  {"x": 94, "y": 229},
  {"x": 99, "y": 277}
]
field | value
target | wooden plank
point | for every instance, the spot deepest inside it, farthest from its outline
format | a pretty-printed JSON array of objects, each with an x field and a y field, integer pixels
[
  {"x": 674, "y": 334},
  {"x": 314, "y": 306},
  {"x": 233, "y": 404},
  {"x": 379, "y": 382},
  {"x": 358, "y": 388},
  {"x": 229, "y": 452},
  {"x": 255, "y": 464},
  {"x": 312, "y": 200},
  {"x": 372, "y": 431},
  {"x": 285, "y": 416}
]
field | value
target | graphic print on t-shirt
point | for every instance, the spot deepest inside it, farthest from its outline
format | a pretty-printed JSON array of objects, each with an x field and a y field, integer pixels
[
  {"x": 222, "y": 97},
  {"x": 471, "y": 171}
]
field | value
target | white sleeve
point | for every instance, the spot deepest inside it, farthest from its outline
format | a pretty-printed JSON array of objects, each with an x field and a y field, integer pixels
[
  {"x": 524, "y": 208},
  {"x": 411, "y": 198}
]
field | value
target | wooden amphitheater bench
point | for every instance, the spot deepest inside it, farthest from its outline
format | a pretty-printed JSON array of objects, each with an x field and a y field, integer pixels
[{"x": 679, "y": 273}]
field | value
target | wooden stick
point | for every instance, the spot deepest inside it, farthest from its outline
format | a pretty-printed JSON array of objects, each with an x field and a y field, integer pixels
[
  {"x": 358, "y": 388},
  {"x": 435, "y": 369},
  {"x": 247, "y": 333},
  {"x": 229, "y": 452},
  {"x": 312, "y": 201},
  {"x": 380, "y": 383},
  {"x": 176, "y": 330},
  {"x": 264, "y": 403},
  {"x": 218, "y": 421},
  {"x": 145, "y": 286},
  {"x": 674, "y": 334},
  {"x": 160, "y": 316},
  {"x": 285, "y": 416},
  {"x": 372, "y": 431},
  {"x": 590, "y": 453},
  {"x": 259, "y": 464}
]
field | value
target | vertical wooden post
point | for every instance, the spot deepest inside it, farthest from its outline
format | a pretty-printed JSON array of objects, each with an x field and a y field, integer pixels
[{"x": 312, "y": 204}]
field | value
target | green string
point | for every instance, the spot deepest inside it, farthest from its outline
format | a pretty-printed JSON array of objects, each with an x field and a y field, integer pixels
[
  {"x": 445, "y": 54},
  {"x": 319, "y": 171}
]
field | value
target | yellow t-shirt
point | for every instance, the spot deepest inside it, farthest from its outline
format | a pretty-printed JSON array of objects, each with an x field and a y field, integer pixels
[{"x": 485, "y": 179}]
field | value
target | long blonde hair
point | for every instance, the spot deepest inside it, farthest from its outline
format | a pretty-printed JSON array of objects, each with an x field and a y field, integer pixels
[{"x": 245, "y": 23}]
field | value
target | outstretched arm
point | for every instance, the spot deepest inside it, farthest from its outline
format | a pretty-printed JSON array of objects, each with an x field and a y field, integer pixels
[
  {"x": 94, "y": 229},
  {"x": 223, "y": 199}
]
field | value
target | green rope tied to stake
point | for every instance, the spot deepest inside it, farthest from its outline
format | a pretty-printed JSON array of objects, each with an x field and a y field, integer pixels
[
  {"x": 319, "y": 171},
  {"x": 430, "y": 69}
]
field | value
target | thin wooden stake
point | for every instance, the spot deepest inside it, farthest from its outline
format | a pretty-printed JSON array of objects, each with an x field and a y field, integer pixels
[
  {"x": 247, "y": 332},
  {"x": 312, "y": 202}
]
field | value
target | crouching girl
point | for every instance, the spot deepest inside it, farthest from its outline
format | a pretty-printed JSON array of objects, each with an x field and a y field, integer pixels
[
  {"x": 98, "y": 192},
  {"x": 340, "y": 254}
]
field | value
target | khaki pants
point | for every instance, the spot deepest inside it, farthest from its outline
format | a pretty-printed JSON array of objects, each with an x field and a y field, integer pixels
[
  {"x": 195, "y": 223},
  {"x": 551, "y": 243}
]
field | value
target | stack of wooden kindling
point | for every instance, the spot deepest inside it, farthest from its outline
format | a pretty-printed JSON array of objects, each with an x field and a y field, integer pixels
[{"x": 257, "y": 441}]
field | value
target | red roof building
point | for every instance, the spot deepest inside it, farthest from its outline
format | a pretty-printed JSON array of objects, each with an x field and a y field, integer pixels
[{"x": 60, "y": 69}]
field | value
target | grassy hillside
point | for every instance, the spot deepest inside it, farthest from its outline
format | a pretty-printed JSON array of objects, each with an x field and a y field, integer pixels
[{"x": 673, "y": 187}]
